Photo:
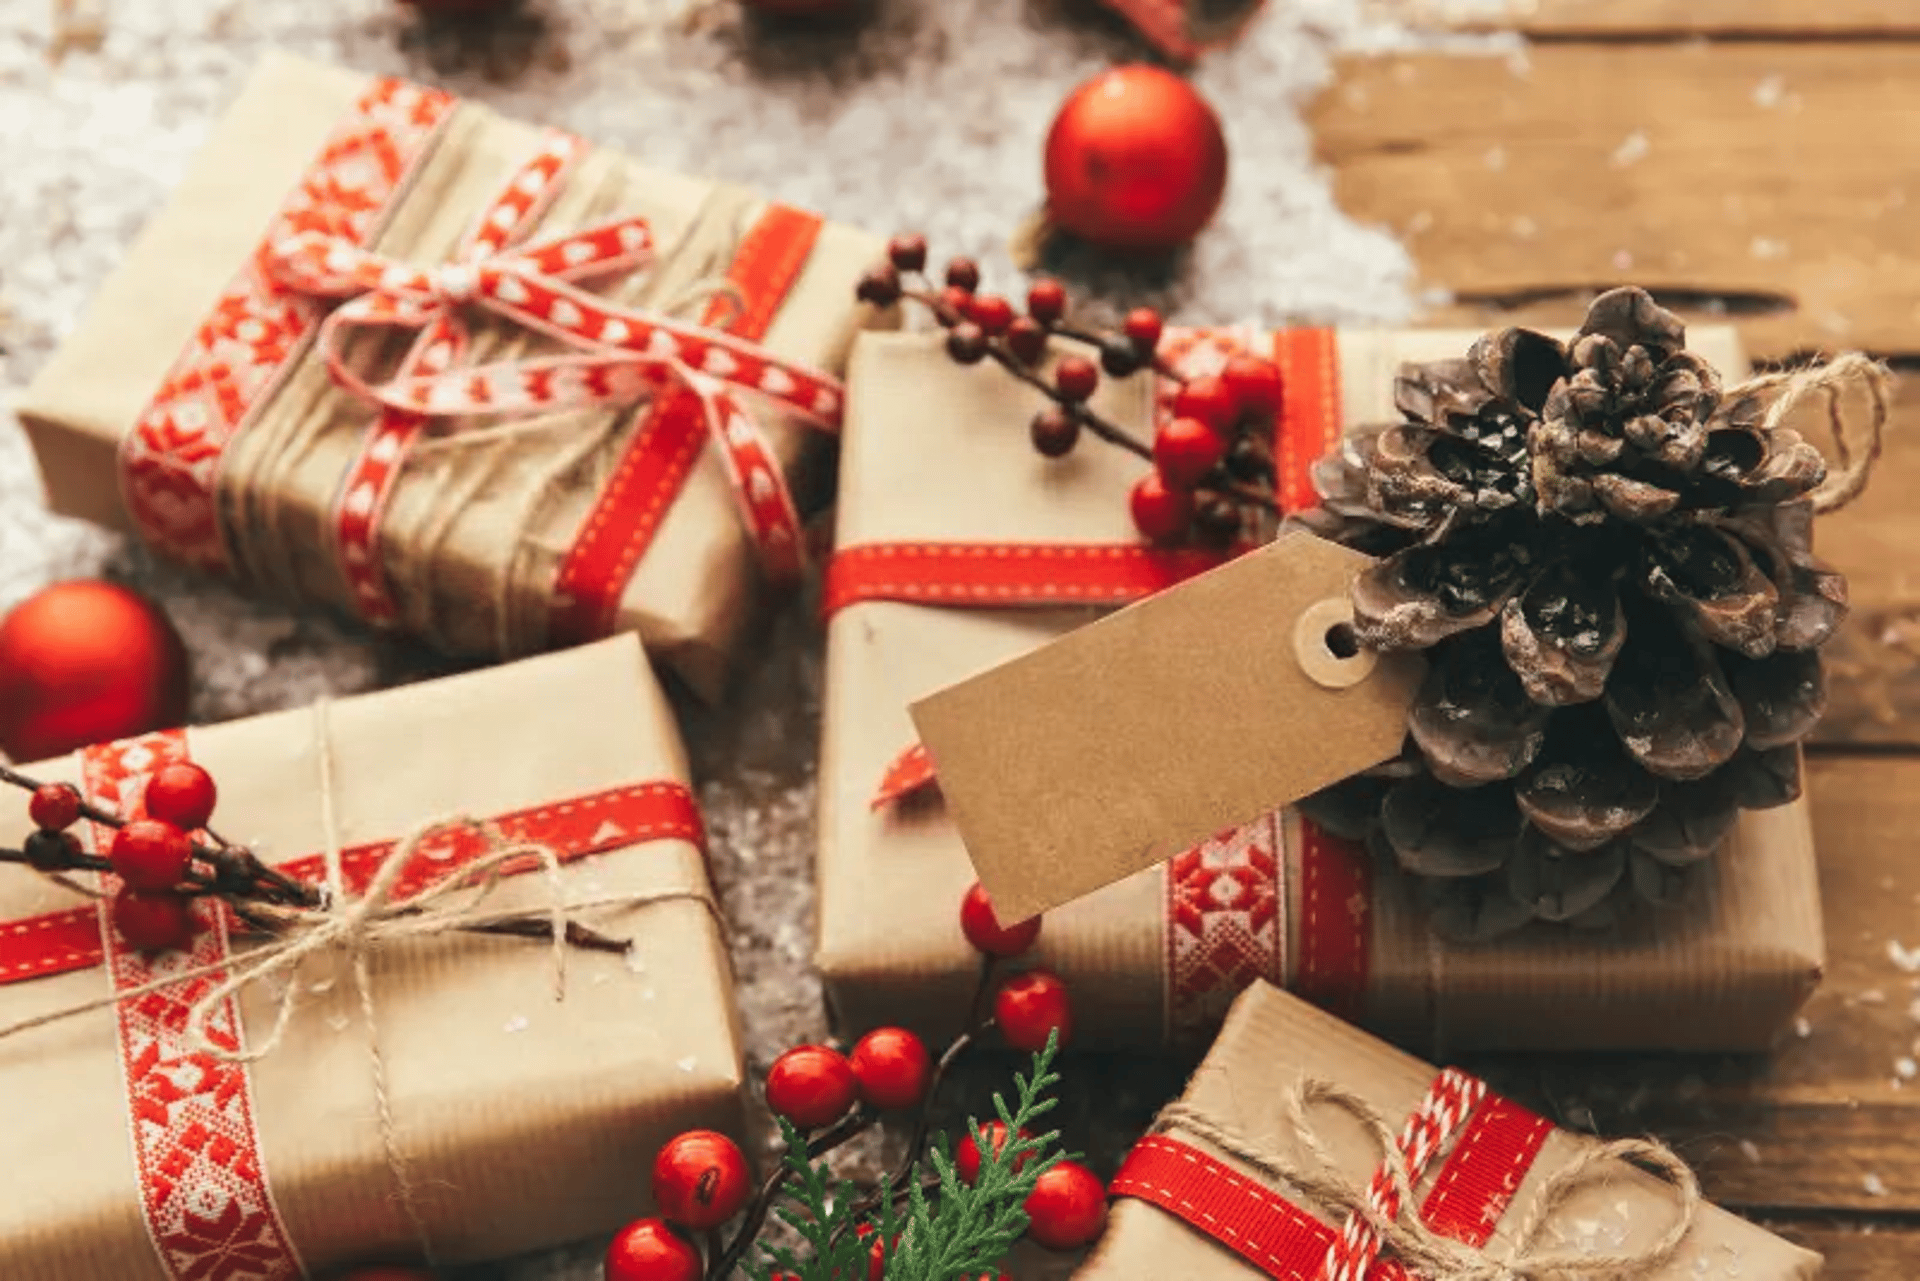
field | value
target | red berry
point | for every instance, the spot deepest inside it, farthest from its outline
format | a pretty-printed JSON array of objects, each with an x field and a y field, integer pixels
[
  {"x": 153, "y": 920},
  {"x": 1047, "y": 300},
  {"x": 876, "y": 1253},
  {"x": 991, "y": 312},
  {"x": 953, "y": 305},
  {"x": 1161, "y": 512},
  {"x": 150, "y": 855},
  {"x": 1207, "y": 399},
  {"x": 650, "y": 1250},
  {"x": 881, "y": 286},
  {"x": 812, "y": 1086},
  {"x": 55, "y": 806},
  {"x": 1185, "y": 450},
  {"x": 1254, "y": 384},
  {"x": 1076, "y": 377},
  {"x": 700, "y": 1180},
  {"x": 1027, "y": 340},
  {"x": 1055, "y": 431},
  {"x": 1067, "y": 1207},
  {"x": 967, "y": 343},
  {"x": 983, "y": 929},
  {"x": 966, "y": 1157},
  {"x": 1031, "y": 1006},
  {"x": 907, "y": 253},
  {"x": 181, "y": 794},
  {"x": 1143, "y": 326},
  {"x": 893, "y": 1068},
  {"x": 50, "y": 851},
  {"x": 963, "y": 274}
]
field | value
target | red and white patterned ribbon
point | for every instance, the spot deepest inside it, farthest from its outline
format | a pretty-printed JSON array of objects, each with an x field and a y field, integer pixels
[{"x": 617, "y": 355}]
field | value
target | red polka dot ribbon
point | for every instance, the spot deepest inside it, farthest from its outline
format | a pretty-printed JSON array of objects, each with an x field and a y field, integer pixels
[{"x": 1490, "y": 1145}]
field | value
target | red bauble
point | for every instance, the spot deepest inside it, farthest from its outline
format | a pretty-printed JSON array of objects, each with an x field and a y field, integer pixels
[
  {"x": 650, "y": 1250},
  {"x": 1185, "y": 450},
  {"x": 182, "y": 794},
  {"x": 983, "y": 929},
  {"x": 1067, "y": 1207},
  {"x": 1161, "y": 512},
  {"x": 700, "y": 1180},
  {"x": 1031, "y": 1007},
  {"x": 86, "y": 662},
  {"x": 966, "y": 1157},
  {"x": 893, "y": 1068},
  {"x": 150, "y": 855},
  {"x": 1135, "y": 160},
  {"x": 811, "y": 1085},
  {"x": 155, "y": 921}
]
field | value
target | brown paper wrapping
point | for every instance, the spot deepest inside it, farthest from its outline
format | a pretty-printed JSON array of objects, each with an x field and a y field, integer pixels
[
  {"x": 1271, "y": 1040},
  {"x": 525, "y": 1122},
  {"x": 482, "y": 593},
  {"x": 938, "y": 452}
]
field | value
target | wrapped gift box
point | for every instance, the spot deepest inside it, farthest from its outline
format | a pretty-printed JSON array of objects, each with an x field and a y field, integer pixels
[
  {"x": 197, "y": 407},
  {"x": 937, "y": 455},
  {"x": 1203, "y": 1198},
  {"x": 518, "y": 1120}
]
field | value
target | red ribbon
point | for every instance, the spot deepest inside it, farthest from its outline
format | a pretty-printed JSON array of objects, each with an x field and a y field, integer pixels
[{"x": 1493, "y": 1143}]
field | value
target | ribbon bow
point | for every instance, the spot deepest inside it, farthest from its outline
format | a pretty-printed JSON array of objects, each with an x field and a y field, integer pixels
[{"x": 617, "y": 355}]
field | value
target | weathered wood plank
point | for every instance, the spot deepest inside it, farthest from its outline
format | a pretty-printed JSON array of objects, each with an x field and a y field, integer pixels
[
  {"x": 1857, "y": 1251},
  {"x": 1774, "y": 174},
  {"x": 1827, "y": 1122},
  {"x": 1642, "y": 19}
]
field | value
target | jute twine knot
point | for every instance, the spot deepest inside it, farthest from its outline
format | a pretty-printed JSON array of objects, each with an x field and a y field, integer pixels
[
  {"x": 1432, "y": 1256},
  {"x": 1830, "y": 380}
]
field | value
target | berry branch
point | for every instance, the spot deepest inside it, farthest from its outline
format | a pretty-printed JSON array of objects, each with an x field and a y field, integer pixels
[
  {"x": 1213, "y": 477},
  {"x": 162, "y": 869},
  {"x": 946, "y": 1213}
]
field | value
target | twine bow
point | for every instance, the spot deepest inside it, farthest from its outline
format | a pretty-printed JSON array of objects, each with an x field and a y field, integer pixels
[{"x": 1403, "y": 1235}]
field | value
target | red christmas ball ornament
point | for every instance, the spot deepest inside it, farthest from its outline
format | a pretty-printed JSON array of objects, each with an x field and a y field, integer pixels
[
  {"x": 1161, "y": 512},
  {"x": 983, "y": 929},
  {"x": 893, "y": 1068},
  {"x": 183, "y": 794},
  {"x": 1185, "y": 450},
  {"x": 811, "y": 1085},
  {"x": 1067, "y": 1207},
  {"x": 700, "y": 1180},
  {"x": 86, "y": 662},
  {"x": 150, "y": 855},
  {"x": 153, "y": 920},
  {"x": 1031, "y": 1007},
  {"x": 1135, "y": 160},
  {"x": 650, "y": 1250}
]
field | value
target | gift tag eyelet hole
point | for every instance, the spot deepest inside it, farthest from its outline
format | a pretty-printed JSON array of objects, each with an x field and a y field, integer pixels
[{"x": 1328, "y": 648}]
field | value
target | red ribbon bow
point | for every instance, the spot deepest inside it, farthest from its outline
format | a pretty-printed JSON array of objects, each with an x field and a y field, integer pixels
[{"x": 618, "y": 354}]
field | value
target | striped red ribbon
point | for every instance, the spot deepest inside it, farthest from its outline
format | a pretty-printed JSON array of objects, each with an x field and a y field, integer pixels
[{"x": 1491, "y": 1144}]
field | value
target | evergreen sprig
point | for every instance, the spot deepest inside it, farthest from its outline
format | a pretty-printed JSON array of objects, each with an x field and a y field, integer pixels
[{"x": 952, "y": 1230}]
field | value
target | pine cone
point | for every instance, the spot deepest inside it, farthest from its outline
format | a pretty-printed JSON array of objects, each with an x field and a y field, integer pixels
[{"x": 1608, "y": 564}]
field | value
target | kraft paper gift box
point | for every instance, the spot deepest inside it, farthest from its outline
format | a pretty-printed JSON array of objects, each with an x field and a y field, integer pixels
[
  {"x": 195, "y": 405},
  {"x": 1203, "y": 1197},
  {"x": 936, "y": 453},
  {"x": 518, "y": 1121}
]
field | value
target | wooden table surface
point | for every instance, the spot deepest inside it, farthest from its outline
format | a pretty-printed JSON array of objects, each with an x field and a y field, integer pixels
[{"x": 1748, "y": 160}]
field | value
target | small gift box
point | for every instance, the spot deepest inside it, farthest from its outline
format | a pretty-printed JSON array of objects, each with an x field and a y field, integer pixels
[
  {"x": 472, "y": 379},
  {"x": 960, "y": 548},
  {"x": 1305, "y": 1149},
  {"x": 426, "y": 1095}
]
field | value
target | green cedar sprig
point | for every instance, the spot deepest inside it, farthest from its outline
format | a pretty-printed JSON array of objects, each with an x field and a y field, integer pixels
[{"x": 956, "y": 1232}]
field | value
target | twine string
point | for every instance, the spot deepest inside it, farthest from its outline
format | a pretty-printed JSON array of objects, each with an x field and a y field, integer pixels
[
  {"x": 1830, "y": 381},
  {"x": 1432, "y": 1256}
]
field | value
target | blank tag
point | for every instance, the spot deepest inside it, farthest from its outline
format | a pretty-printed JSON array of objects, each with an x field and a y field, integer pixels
[{"x": 1136, "y": 737}]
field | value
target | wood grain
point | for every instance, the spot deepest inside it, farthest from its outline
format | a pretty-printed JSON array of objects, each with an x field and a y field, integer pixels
[
  {"x": 1827, "y": 1122},
  {"x": 1857, "y": 1250},
  {"x": 1774, "y": 174},
  {"x": 1654, "y": 19}
]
